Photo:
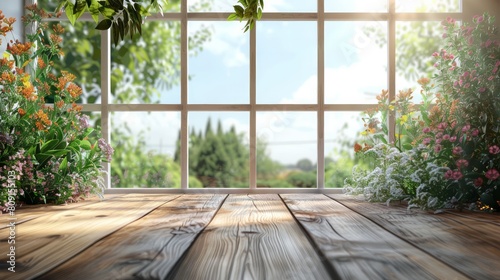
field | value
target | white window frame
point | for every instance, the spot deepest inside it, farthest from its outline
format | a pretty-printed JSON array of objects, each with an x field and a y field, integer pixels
[{"x": 105, "y": 108}]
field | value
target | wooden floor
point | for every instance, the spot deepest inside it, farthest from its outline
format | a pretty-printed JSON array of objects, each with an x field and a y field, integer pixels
[{"x": 262, "y": 236}]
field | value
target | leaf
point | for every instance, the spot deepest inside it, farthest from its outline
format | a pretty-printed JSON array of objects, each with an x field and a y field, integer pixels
[
  {"x": 232, "y": 17},
  {"x": 49, "y": 145},
  {"x": 64, "y": 164},
  {"x": 70, "y": 13},
  {"x": 85, "y": 144},
  {"x": 121, "y": 28},
  {"x": 94, "y": 10},
  {"x": 104, "y": 24},
  {"x": 239, "y": 10},
  {"x": 116, "y": 4}
]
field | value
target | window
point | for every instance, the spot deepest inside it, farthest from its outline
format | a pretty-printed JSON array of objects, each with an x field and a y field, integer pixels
[{"x": 199, "y": 103}]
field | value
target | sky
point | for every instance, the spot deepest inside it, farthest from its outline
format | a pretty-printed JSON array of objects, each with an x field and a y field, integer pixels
[{"x": 355, "y": 71}]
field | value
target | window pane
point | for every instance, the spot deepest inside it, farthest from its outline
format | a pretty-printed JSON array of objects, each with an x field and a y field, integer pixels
[
  {"x": 342, "y": 129},
  {"x": 147, "y": 69},
  {"x": 218, "y": 149},
  {"x": 219, "y": 74},
  {"x": 286, "y": 149},
  {"x": 286, "y": 62},
  {"x": 411, "y": 6},
  {"x": 144, "y": 144},
  {"x": 415, "y": 44},
  {"x": 356, "y": 6},
  {"x": 290, "y": 6},
  {"x": 355, "y": 61},
  {"x": 211, "y": 5}
]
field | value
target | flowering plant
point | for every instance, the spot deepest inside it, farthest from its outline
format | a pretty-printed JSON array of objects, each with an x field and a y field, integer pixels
[
  {"x": 48, "y": 150},
  {"x": 455, "y": 146}
]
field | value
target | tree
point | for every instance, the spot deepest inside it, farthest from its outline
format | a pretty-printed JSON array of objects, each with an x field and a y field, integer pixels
[
  {"x": 305, "y": 164},
  {"x": 218, "y": 159}
]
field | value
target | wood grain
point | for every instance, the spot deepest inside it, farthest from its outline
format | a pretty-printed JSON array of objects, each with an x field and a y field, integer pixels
[
  {"x": 358, "y": 248},
  {"x": 252, "y": 237},
  {"x": 468, "y": 243},
  {"x": 147, "y": 248},
  {"x": 26, "y": 213},
  {"x": 48, "y": 241}
]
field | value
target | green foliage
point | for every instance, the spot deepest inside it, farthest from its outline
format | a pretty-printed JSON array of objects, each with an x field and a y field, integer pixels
[
  {"x": 274, "y": 183},
  {"x": 249, "y": 10},
  {"x": 135, "y": 167},
  {"x": 302, "y": 179},
  {"x": 218, "y": 159}
]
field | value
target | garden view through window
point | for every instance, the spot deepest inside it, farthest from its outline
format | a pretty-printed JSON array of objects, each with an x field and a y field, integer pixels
[{"x": 195, "y": 102}]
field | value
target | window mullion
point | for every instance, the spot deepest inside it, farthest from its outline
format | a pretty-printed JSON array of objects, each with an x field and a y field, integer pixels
[
  {"x": 320, "y": 179},
  {"x": 184, "y": 160}
]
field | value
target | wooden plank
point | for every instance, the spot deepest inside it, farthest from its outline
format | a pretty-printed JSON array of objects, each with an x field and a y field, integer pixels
[
  {"x": 147, "y": 248},
  {"x": 26, "y": 213},
  {"x": 468, "y": 244},
  {"x": 252, "y": 237},
  {"x": 358, "y": 248},
  {"x": 46, "y": 242}
]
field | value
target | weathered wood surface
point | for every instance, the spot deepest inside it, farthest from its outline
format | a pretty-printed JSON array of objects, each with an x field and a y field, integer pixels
[
  {"x": 468, "y": 243},
  {"x": 147, "y": 248},
  {"x": 360, "y": 249},
  {"x": 252, "y": 237},
  {"x": 50, "y": 240},
  {"x": 26, "y": 213},
  {"x": 152, "y": 236}
]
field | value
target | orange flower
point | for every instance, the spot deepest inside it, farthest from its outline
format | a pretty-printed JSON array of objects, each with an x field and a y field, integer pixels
[
  {"x": 21, "y": 112},
  {"x": 357, "y": 147},
  {"x": 41, "y": 63},
  {"x": 59, "y": 104},
  {"x": 7, "y": 77},
  {"x": 423, "y": 81},
  {"x": 74, "y": 90},
  {"x": 75, "y": 107},
  {"x": 39, "y": 126},
  {"x": 42, "y": 120},
  {"x": 19, "y": 48}
]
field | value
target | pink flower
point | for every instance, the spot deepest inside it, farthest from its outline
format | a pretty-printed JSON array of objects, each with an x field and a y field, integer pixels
[
  {"x": 437, "y": 148},
  {"x": 457, "y": 150},
  {"x": 438, "y": 140},
  {"x": 442, "y": 126},
  {"x": 494, "y": 149},
  {"x": 492, "y": 174},
  {"x": 465, "y": 128},
  {"x": 426, "y": 141},
  {"x": 453, "y": 175},
  {"x": 457, "y": 175},
  {"x": 426, "y": 130},
  {"x": 446, "y": 137},
  {"x": 449, "y": 174},
  {"x": 435, "y": 54},
  {"x": 475, "y": 132},
  {"x": 462, "y": 163},
  {"x": 478, "y": 182},
  {"x": 453, "y": 139},
  {"x": 481, "y": 90},
  {"x": 490, "y": 78}
]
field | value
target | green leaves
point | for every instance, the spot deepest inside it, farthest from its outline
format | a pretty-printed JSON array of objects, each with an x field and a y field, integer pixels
[{"x": 249, "y": 10}]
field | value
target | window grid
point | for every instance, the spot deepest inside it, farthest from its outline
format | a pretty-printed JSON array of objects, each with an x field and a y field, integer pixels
[{"x": 391, "y": 17}]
